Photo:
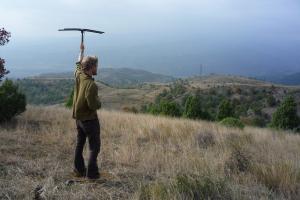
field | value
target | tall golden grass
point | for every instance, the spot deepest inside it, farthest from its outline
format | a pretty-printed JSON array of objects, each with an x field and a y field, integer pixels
[{"x": 147, "y": 157}]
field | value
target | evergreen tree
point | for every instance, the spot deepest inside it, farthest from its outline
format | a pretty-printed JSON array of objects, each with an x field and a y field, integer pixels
[
  {"x": 193, "y": 109},
  {"x": 286, "y": 116},
  {"x": 225, "y": 110},
  {"x": 169, "y": 108}
]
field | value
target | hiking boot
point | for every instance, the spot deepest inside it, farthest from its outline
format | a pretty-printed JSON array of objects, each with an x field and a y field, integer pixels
[
  {"x": 94, "y": 177},
  {"x": 77, "y": 174}
]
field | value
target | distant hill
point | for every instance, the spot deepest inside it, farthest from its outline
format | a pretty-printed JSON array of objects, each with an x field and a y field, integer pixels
[
  {"x": 287, "y": 79},
  {"x": 120, "y": 77}
]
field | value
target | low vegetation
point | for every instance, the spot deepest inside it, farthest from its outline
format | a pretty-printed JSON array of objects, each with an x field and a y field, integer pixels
[{"x": 46, "y": 91}]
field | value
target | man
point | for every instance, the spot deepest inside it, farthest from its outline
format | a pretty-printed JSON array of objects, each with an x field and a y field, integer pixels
[{"x": 85, "y": 105}]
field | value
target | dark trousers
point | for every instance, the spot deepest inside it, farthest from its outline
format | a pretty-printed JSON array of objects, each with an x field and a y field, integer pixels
[{"x": 87, "y": 129}]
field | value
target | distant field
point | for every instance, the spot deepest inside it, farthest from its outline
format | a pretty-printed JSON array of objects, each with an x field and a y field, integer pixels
[{"x": 147, "y": 157}]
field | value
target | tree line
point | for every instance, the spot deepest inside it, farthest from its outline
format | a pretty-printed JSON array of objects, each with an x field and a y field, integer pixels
[{"x": 217, "y": 104}]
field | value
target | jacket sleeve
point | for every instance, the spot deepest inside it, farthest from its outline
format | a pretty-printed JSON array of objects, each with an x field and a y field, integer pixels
[
  {"x": 78, "y": 63},
  {"x": 92, "y": 97},
  {"x": 77, "y": 69}
]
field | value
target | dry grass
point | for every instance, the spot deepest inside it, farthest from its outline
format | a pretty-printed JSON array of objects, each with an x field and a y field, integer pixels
[{"x": 147, "y": 157}]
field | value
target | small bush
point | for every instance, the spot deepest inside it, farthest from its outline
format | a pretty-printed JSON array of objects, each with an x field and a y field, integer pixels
[
  {"x": 169, "y": 108},
  {"x": 164, "y": 107},
  {"x": 12, "y": 101},
  {"x": 232, "y": 122},
  {"x": 240, "y": 159}
]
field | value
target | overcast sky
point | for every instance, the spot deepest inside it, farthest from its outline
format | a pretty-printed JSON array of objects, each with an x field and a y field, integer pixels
[{"x": 167, "y": 36}]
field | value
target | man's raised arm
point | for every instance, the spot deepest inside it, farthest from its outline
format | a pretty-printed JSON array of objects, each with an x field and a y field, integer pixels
[
  {"x": 80, "y": 57},
  {"x": 81, "y": 54}
]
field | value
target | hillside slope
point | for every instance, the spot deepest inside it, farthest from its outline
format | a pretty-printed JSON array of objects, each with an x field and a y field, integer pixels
[{"x": 147, "y": 157}]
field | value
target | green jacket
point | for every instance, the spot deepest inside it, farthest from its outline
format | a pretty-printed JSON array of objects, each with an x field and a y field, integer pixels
[{"x": 85, "y": 99}]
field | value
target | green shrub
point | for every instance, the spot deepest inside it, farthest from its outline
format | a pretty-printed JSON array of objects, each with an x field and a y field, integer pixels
[
  {"x": 286, "y": 116},
  {"x": 225, "y": 109},
  {"x": 164, "y": 107},
  {"x": 232, "y": 122},
  {"x": 169, "y": 108},
  {"x": 153, "y": 109},
  {"x": 69, "y": 102},
  {"x": 12, "y": 101},
  {"x": 193, "y": 109}
]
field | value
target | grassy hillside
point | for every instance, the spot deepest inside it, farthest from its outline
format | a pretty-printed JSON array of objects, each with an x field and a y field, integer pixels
[{"x": 147, "y": 157}]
